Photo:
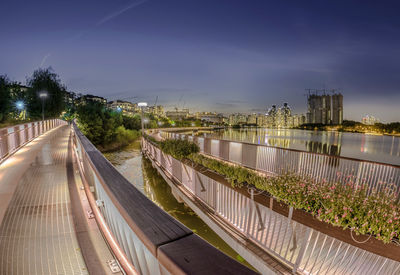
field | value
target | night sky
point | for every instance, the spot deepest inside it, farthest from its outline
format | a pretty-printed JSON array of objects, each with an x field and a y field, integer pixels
[{"x": 214, "y": 55}]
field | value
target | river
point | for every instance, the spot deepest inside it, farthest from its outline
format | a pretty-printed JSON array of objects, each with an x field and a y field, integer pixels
[
  {"x": 138, "y": 170},
  {"x": 379, "y": 148}
]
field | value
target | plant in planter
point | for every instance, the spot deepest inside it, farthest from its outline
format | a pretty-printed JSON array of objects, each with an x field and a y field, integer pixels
[
  {"x": 179, "y": 149},
  {"x": 341, "y": 204}
]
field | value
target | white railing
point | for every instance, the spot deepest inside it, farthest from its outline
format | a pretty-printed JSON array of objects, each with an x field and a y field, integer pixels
[
  {"x": 143, "y": 237},
  {"x": 374, "y": 176},
  {"x": 296, "y": 245},
  {"x": 14, "y": 137}
]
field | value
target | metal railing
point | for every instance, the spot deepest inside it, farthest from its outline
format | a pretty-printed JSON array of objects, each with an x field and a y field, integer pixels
[
  {"x": 144, "y": 238},
  {"x": 14, "y": 137},
  {"x": 374, "y": 176},
  {"x": 300, "y": 247}
]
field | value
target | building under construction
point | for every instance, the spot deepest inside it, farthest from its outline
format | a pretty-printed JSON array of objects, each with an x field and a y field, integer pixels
[{"x": 324, "y": 107}]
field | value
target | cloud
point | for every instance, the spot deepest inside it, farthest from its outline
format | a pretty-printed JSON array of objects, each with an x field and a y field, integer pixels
[
  {"x": 44, "y": 59},
  {"x": 119, "y": 12}
]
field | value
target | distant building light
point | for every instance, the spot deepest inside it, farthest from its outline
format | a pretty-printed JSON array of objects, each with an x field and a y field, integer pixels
[{"x": 142, "y": 104}]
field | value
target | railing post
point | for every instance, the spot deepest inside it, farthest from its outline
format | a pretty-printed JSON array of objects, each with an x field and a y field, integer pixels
[{"x": 303, "y": 248}]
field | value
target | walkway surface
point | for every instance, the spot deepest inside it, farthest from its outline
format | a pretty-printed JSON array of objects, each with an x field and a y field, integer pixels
[{"x": 37, "y": 234}]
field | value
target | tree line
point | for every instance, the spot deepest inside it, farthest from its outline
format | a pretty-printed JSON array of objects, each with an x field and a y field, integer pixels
[{"x": 16, "y": 98}]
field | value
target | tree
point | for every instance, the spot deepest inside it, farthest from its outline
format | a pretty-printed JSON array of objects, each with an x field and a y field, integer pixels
[
  {"x": 5, "y": 98},
  {"x": 48, "y": 81},
  {"x": 131, "y": 123},
  {"x": 98, "y": 123}
]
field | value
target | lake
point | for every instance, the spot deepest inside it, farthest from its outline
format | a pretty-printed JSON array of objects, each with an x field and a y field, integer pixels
[{"x": 379, "y": 148}]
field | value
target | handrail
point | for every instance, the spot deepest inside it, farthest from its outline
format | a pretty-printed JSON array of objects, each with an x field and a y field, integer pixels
[
  {"x": 258, "y": 216},
  {"x": 294, "y": 150},
  {"x": 14, "y": 137},
  {"x": 273, "y": 160},
  {"x": 151, "y": 239}
]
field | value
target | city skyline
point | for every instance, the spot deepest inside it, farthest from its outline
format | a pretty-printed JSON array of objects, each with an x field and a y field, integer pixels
[{"x": 225, "y": 56}]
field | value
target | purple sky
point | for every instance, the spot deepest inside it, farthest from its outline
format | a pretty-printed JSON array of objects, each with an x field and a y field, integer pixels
[{"x": 215, "y": 55}]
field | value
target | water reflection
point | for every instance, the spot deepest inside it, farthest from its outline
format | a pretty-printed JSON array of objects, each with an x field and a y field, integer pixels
[
  {"x": 139, "y": 172},
  {"x": 322, "y": 148},
  {"x": 378, "y": 148}
]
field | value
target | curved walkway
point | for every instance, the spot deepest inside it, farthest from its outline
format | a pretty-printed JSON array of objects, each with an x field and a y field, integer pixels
[{"x": 37, "y": 234}]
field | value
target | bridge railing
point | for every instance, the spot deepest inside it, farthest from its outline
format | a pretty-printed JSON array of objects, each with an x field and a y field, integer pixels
[
  {"x": 292, "y": 236},
  {"x": 374, "y": 176},
  {"x": 14, "y": 137},
  {"x": 144, "y": 238}
]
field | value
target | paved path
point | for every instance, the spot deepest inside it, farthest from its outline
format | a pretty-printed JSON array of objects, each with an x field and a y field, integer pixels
[{"x": 37, "y": 234}]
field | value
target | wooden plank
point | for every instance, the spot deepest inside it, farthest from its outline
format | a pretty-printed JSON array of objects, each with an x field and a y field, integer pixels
[{"x": 182, "y": 257}]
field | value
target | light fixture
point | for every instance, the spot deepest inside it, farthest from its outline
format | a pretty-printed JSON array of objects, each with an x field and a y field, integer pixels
[
  {"x": 20, "y": 105},
  {"x": 42, "y": 94}
]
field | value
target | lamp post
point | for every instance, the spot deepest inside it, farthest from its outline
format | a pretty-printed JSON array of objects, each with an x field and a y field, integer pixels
[
  {"x": 142, "y": 105},
  {"x": 43, "y": 96}
]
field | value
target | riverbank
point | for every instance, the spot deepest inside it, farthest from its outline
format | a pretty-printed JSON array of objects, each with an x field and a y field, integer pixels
[{"x": 389, "y": 129}]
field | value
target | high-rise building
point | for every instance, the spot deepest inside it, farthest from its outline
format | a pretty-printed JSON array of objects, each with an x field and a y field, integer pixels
[
  {"x": 337, "y": 109},
  {"x": 369, "y": 120},
  {"x": 283, "y": 116},
  {"x": 236, "y": 119},
  {"x": 271, "y": 117},
  {"x": 252, "y": 119},
  {"x": 325, "y": 109}
]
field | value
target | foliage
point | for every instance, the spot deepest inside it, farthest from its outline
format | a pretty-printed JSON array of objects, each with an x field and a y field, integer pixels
[
  {"x": 104, "y": 127},
  {"x": 48, "y": 81},
  {"x": 344, "y": 205},
  {"x": 179, "y": 149},
  {"x": 125, "y": 136},
  {"x": 131, "y": 123},
  {"x": 5, "y": 98}
]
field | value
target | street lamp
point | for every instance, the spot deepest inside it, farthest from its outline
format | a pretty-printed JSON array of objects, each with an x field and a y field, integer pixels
[
  {"x": 142, "y": 105},
  {"x": 20, "y": 106},
  {"x": 43, "y": 96}
]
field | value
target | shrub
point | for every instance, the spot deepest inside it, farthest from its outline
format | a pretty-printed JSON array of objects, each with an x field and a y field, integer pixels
[
  {"x": 179, "y": 149},
  {"x": 124, "y": 136},
  {"x": 343, "y": 204},
  {"x": 340, "y": 204}
]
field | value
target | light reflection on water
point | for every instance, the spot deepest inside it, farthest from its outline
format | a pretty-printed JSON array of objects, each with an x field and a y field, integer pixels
[
  {"x": 378, "y": 148},
  {"x": 138, "y": 171}
]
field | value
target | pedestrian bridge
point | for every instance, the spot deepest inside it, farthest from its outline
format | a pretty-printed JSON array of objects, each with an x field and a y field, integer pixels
[
  {"x": 65, "y": 209},
  {"x": 272, "y": 236}
]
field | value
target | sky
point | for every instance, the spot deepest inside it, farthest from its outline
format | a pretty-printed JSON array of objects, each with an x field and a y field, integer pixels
[{"x": 212, "y": 55}]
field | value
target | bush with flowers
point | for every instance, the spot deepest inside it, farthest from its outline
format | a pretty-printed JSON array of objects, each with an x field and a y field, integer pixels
[{"x": 340, "y": 204}]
